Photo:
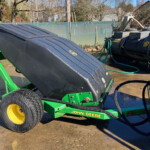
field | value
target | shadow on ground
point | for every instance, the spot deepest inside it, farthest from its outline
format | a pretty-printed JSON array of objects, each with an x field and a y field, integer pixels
[{"x": 113, "y": 128}]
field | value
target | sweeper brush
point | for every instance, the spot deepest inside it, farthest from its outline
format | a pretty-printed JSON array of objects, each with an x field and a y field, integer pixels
[{"x": 70, "y": 80}]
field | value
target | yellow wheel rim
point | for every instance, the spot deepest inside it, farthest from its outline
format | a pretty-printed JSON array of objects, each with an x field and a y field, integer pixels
[{"x": 16, "y": 114}]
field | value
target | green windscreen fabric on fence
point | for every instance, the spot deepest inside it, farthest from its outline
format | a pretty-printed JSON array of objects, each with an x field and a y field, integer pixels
[{"x": 82, "y": 33}]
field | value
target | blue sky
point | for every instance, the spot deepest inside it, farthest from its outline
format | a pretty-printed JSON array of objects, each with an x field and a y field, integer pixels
[{"x": 132, "y": 1}]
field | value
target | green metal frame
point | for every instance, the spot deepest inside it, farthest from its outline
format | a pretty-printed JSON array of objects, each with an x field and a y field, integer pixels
[
  {"x": 59, "y": 109},
  {"x": 10, "y": 86}
]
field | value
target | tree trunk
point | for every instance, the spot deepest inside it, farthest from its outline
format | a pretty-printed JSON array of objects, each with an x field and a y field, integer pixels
[{"x": 13, "y": 15}]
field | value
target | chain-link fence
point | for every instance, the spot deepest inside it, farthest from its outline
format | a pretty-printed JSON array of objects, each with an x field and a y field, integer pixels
[{"x": 82, "y": 33}]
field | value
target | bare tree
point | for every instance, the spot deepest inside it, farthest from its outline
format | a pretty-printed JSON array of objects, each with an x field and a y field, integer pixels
[
  {"x": 122, "y": 7},
  {"x": 100, "y": 8},
  {"x": 1, "y": 8},
  {"x": 68, "y": 12},
  {"x": 139, "y": 2},
  {"x": 14, "y": 9}
]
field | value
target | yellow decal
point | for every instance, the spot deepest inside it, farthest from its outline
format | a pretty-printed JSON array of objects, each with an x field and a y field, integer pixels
[
  {"x": 146, "y": 44},
  {"x": 86, "y": 114},
  {"x": 93, "y": 115},
  {"x": 73, "y": 53},
  {"x": 117, "y": 40},
  {"x": 77, "y": 112}
]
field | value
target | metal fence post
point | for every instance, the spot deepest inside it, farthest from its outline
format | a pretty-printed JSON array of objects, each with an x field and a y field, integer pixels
[
  {"x": 96, "y": 36},
  {"x": 69, "y": 30}
]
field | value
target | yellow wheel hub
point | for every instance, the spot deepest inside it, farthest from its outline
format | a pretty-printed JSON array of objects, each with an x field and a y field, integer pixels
[{"x": 16, "y": 114}]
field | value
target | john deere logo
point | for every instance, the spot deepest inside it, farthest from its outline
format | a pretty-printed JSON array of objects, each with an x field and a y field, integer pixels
[{"x": 73, "y": 53}]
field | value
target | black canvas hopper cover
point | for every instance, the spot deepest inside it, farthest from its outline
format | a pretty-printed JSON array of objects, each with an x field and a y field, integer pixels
[{"x": 55, "y": 65}]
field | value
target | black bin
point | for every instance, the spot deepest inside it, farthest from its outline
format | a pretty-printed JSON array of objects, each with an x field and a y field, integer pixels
[
  {"x": 137, "y": 46},
  {"x": 55, "y": 65}
]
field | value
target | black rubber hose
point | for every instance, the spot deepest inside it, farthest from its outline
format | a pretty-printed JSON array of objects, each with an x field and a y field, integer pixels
[
  {"x": 144, "y": 99},
  {"x": 92, "y": 108},
  {"x": 119, "y": 86},
  {"x": 124, "y": 118},
  {"x": 116, "y": 100},
  {"x": 132, "y": 125}
]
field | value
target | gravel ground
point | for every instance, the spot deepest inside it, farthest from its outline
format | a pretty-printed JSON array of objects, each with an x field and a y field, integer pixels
[{"x": 77, "y": 133}]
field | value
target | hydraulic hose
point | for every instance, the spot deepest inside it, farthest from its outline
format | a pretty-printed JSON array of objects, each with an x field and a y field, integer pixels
[
  {"x": 144, "y": 99},
  {"x": 107, "y": 46},
  {"x": 89, "y": 108},
  {"x": 132, "y": 125},
  {"x": 123, "y": 118}
]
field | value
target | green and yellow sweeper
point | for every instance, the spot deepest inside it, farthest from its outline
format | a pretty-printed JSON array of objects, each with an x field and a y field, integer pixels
[{"x": 70, "y": 80}]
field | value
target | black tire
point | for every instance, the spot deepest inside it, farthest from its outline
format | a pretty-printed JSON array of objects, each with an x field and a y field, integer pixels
[
  {"x": 36, "y": 100},
  {"x": 30, "y": 107}
]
